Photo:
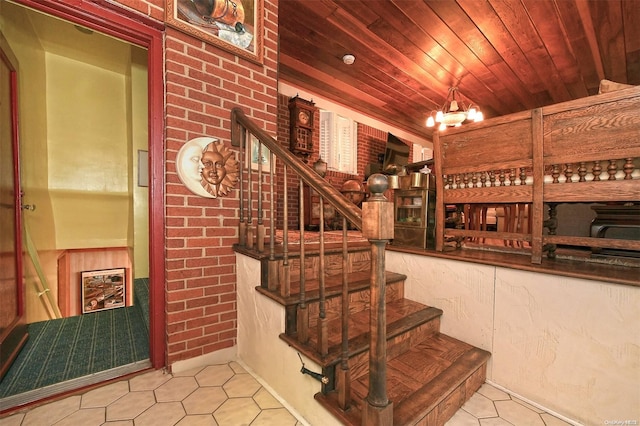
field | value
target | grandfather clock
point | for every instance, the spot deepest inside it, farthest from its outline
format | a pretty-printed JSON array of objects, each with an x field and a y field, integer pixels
[{"x": 301, "y": 113}]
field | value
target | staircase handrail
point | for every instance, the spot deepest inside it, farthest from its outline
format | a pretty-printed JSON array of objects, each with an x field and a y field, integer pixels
[
  {"x": 334, "y": 197},
  {"x": 377, "y": 227}
]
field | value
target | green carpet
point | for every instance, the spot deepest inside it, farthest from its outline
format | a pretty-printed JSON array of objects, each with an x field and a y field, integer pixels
[{"x": 68, "y": 348}]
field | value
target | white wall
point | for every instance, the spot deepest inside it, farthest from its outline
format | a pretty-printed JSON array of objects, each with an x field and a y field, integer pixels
[
  {"x": 570, "y": 345},
  {"x": 260, "y": 321}
]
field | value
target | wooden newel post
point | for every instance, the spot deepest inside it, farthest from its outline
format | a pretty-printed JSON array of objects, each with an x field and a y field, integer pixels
[{"x": 377, "y": 227}]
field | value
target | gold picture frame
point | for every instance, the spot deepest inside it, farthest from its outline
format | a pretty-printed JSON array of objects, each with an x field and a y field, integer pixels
[{"x": 233, "y": 25}]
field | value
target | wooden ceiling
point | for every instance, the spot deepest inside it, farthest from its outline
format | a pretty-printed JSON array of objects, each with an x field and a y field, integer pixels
[{"x": 504, "y": 55}]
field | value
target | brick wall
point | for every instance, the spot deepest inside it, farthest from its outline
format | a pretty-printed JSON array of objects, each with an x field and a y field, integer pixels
[
  {"x": 371, "y": 143},
  {"x": 202, "y": 84}
]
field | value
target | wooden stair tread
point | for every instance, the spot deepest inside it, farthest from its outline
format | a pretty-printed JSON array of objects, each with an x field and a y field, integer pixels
[
  {"x": 333, "y": 287},
  {"x": 429, "y": 375},
  {"x": 418, "y": 380},
  {"x": 402, "y": 315},
  {"x": 293, "y": 249}
]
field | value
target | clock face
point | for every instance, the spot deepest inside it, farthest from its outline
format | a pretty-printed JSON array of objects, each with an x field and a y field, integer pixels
[{"x": 303, "y": 117}]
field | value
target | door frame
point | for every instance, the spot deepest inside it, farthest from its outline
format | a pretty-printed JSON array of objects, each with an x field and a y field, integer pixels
[
  {"x": 145, "y": 32},
  {"x": 15, "y": 335}
]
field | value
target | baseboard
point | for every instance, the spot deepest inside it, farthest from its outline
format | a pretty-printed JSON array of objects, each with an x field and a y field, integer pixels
[
  {"x": 222, "y": 356},
  {"x": 535, "y": 404}
]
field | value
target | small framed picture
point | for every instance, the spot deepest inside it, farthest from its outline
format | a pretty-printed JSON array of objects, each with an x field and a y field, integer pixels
[
  {"x": 260, "y": 156},
  {"x": 143, "y": 168},
  {"x": 103, "y": 289}
]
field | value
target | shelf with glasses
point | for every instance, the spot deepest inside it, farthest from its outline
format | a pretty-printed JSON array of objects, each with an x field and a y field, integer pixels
[{"x": 414, "y": 217}]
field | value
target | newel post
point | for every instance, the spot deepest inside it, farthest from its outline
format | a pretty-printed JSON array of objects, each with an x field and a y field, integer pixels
[{"x": 377, "y": 227}]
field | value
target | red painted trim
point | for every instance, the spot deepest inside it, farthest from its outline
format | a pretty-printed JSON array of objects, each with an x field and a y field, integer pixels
[
  {"x": 140, "y": 30},
  {"x": 17, "y": 190}
]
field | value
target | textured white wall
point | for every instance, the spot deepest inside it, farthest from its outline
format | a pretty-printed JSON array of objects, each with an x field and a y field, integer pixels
[
  {"x": 260, "y": 321},
  {"x": 570, "y": 345}
]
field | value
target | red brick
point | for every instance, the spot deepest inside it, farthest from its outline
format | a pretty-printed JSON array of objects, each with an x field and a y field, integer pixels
[
  {"x": 183, "y": 253},
  {"x": 219, "y": 346},
  {"x": 184, "y": 315},
  {"x": 184, "y": 295},
  {"x": 202, "y": 341},
  {"x": 222, "y": 307},
  {"x": 220, "y": 327},
  {"x": 203, "y": 322},
  {"x": 203, "y": 301},
  {"x": 202, "y": 282}
]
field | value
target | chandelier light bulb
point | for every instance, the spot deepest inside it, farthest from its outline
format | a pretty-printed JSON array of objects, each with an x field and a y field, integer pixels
[
  {"x": 430, "y": 121},
  {"x": 454, "y": 112}
]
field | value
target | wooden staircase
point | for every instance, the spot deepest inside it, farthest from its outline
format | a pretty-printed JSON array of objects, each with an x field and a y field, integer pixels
[
  {"x": 429, "y": 375},
  {"x": 384, "y": 361}
]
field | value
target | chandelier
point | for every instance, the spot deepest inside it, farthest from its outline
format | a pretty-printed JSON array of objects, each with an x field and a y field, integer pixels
[{"x": 454, "y": 112}]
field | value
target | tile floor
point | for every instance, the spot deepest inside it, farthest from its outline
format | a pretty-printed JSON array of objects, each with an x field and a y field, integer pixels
[{"x": 226, "y": 395}]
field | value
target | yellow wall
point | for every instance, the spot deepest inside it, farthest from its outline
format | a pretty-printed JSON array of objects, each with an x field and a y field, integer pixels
[
  {"x": 139, "y": 138},
  {"x": 82, "y": 124},
  {"x": 88, "y": 157}
]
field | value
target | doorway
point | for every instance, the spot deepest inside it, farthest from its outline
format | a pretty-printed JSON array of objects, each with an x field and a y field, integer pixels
[{"x": 85, "y": 165}]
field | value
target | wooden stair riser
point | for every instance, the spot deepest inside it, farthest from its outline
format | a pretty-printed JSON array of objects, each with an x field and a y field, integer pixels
[
  {"x": 358, "y": 301},
  {"x": 358, "y": 282},
  {"x": 359, "y": 364},
  {"x": 429, "y": 375},
  {"x": 443, "y": 412},
  {"x": 359, "y": 260},
  {"x": 427, "y": 384}
]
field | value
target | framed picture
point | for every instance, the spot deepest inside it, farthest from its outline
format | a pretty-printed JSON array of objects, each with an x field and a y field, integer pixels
[
  {"x": 233, "y": 25},
  {"x": 143, "y": 168},
  {"x": 265, "y": 156},
  {"x": 103, "y": 289}
]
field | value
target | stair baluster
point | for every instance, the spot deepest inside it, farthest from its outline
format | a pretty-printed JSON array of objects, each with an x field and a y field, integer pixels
[
  {"x": 285, "y": 281},
  {"x": 260, "y": 226},
  {"x": 250, "y": 232},
  {"x": 273, "y": 264},
  {"x": 323, "y": 338},
  {"x": 343, "y": 373},
  {"x": 236, "y": 134},
  {"x": 302, "y": 328}
]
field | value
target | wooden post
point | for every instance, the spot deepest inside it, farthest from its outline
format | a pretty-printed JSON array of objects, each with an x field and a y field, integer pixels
[
  {"x": 440, "y": 207},
  {"x": 377, "y": 227},
  {"x": 536, "y": 212}
]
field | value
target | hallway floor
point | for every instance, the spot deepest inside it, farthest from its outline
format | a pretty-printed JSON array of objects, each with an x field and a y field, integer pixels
[{"x": 226, "y": 395}]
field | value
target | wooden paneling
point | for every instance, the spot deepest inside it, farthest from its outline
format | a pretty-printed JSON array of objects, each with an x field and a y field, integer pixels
[
  {"x": 586, "y": 150},
  {"x": 506, "y": 56},
  {"x": 510, "y": 145},
  {"x": 71, "y": 263}
]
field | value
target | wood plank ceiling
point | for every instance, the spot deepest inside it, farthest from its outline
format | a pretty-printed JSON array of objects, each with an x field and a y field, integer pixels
[{"x": 503, "y": 55}]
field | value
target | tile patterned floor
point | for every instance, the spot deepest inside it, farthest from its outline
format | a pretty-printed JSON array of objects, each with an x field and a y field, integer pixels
[
  {"x": 226, "y": 395},
  {"x": 490, "y": 406}
]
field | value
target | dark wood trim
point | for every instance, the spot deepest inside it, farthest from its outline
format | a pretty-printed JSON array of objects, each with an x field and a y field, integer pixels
[
  {"x": 307, "y": 174},
  {"x": 587, "y": 270}
]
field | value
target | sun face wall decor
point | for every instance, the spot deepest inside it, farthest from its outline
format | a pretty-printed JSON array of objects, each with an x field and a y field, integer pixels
[{"x": 207, "y": 167}]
